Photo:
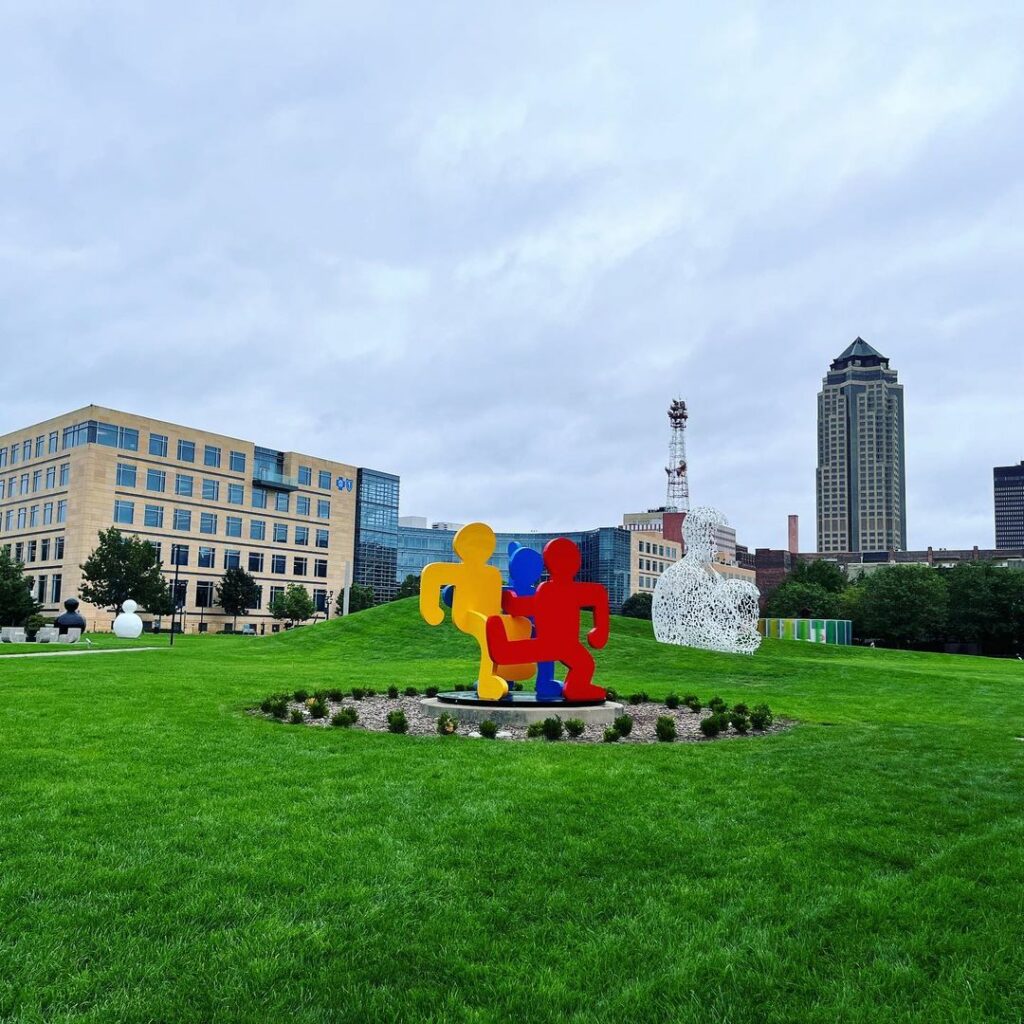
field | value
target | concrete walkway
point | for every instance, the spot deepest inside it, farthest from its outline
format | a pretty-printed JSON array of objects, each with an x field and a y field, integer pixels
[{"x": 66, "y": 654}]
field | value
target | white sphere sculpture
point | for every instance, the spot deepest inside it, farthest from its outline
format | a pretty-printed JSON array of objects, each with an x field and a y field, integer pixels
[
  {"x": 128, "y": 625},
  {"x": 694, "y": 606}
]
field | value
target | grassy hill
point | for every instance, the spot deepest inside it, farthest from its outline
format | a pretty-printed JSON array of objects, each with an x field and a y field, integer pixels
[{"x": 164, "y": 856}]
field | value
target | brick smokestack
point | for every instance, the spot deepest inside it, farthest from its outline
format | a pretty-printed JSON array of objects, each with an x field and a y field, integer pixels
[{"x": 794, "y": 534}]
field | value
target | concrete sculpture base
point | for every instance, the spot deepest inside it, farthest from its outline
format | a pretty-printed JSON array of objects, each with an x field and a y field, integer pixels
[{"x": 521, "y": 709}]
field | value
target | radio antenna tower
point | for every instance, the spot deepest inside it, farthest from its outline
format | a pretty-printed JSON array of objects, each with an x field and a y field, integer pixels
[{"x": 678, "y": 499}]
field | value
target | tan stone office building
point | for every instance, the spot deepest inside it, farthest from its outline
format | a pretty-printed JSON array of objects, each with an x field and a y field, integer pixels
[{"x": 208, "y": 502}]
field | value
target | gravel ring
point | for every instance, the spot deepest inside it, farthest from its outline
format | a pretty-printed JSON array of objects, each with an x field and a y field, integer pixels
[{"x": 373, "y": 714}]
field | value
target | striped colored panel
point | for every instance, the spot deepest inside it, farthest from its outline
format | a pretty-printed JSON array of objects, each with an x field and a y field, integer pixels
[{"x": 822, "y": 631}]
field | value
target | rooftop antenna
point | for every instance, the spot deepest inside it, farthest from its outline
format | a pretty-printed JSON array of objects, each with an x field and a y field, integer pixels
[{"x": 678, "y": 496}]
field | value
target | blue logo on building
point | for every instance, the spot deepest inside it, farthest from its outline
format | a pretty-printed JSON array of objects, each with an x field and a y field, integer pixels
[{"x": 344, "y": 483}]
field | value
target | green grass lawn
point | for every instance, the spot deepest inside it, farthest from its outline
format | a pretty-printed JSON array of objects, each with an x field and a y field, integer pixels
[{"x": 166, "y": 857}]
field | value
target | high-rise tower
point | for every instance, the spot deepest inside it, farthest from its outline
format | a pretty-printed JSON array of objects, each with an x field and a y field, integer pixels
[
  {"x": 678, "y": 498},
  {"x": 861, "y": 477}
]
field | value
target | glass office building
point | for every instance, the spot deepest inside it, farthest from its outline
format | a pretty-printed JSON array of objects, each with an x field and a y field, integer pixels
[
  {"x": 606, "y": 554},
  {"x": 377, "y": 533}
]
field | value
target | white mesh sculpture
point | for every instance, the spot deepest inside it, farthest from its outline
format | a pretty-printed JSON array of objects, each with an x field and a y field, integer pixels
[{"x": 694, "y": 606}]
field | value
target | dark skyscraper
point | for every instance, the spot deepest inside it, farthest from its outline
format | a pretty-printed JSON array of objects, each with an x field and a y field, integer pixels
[
  {"x": 861, "y": 478},
  {"x": 1008, "y": 487}
]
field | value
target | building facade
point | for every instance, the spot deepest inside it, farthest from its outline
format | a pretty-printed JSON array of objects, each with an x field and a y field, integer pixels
[
  {"x": 207, "y": 503},
  {"x": 650, "y": 555},
  {"x": 605, "y": 551},
  {"x": 1008, "y": 493},
  {"x": 861, "y": 475}
]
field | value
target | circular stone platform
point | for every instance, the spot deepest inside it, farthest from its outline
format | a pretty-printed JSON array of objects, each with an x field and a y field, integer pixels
[{"x": 517, "y": 709}]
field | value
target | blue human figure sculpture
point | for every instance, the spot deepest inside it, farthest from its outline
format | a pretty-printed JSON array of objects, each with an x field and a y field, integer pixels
[{"x": 525, "y": 568}]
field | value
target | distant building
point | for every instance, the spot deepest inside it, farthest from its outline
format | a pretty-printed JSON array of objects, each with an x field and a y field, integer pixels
[
  {"x": 861, "y": 475},
  {"x": 650, "y": 555},
  {"x": 1008, "y": 488}
]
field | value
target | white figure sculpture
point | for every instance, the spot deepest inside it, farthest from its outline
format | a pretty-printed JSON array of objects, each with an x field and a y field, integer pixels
[
  {"x": 128, "y": 625},
  {"x": 694, "y": 606}
]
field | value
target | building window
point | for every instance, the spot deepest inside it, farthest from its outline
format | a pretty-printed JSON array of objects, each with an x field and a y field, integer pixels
[
  {"x": 211, "y": 456},
  {"x": 259, "y": 497},
  {"x": 22, "y": 519},
  {"x": 257, "y": 529},
  {"x": 233, "y": 526},
  {"x": 207, "y": 522},
  {"x": 183, "y": 485},
  {"x": 277, "y": 563},
  {"x": 322, "y": 539},
  {"x": 40, "y": 446},
  {"x": 56, "y": 580},
  {"x": 232, "y": 559},
  {"x": 58, "y": 547},
  {"x": 238, "y": 462},
  {"x": 275, "y": 593},
  {"x": 281, "y": 501},
  {"x": 30, "y": 555},
  {"x": 37, "y": 480},
  {"x": 51, "y": 478},
  {"x": 53, "y": 442},
  {"x": 65, "y": 473},
  {"x": 33, "y": 516},
  {"x": 47, "y": 513},
  {"x": 44, "y": 549},
  {"x": 155, "y": 516},
  {"x": 156, "y": 480},
  {"x": 320, "y": 599},
  {"x": 158, "y": 444},
  {"x": 124, "y": 511},
  {"x": 211, "y": 490},
  {"x": 301, "y": 505},
  {"x": 302, "y": 535},
  {"x": 255, "y": 561},
  {"x": 207, "y": 558},
  {"x": 180, "y": 593},
  {"x": 186, "y": 451},
  {"x": 179, "y": 554},
  {"x": 280, "y": 533},
  {"x": 300, "y": 566},
  {"x": 324, "y": 480},
  {"x": 125, "y": 475},
  {"x": 204, "y": 594},
  {"x": 323, "y": 509},
  {"x": 236, "y": 494},
  {"x": 320, "y": 568},
  {"x": 305, "y": 476},
  {"x": 182, "y": 519}
]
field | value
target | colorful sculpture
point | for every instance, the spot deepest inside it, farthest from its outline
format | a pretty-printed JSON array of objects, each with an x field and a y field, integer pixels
[
  {"x": 525, "y": 568},
  {"x": 476, "y": 597},
  {"x": 556, "y": 608}
]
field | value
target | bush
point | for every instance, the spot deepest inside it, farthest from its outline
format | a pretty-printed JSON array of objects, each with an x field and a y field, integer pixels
[
  {"x": 488, "y": 729},
  {"x": 611, "y": 694},
  {"x": 710, "y": 726},
  {"x": 638, "y": 698},
  {"x": 276, "y": 705},
  {"x": 665, "y": 728},
  {"x": 318, "y": 707},
  {"x": 296, "y": 717},
  {"x": 335, "y": 694},
  {"x": 393, "y": 692},
  {"x": 741, "y": 709},
  {"x": 574, "y": 727},
  {"x": 358, "y": 693},
  {"x": 369, "y": 692},
  {"x": 552, "y": 728},
  {"x": 300, "y": 696},
  {"x": 623, "y": 725},
  {"x": 693, "y": 703},
  {"x": 717, "y": 705},
  {"x": 431, "y": 691},
  {"x": 534, "y": 729},
  {"x": 446, "y": 724},
  {"x": 761, "y": 717},
  {"x": 411, "y": 691},
  {"x": 397, "y": 722},
  {"x": 739, "y": 722},
  {"x": 611, "y": 736},
  {"x": 345, "y": 717},
  {"x": 672, "y": 701}
]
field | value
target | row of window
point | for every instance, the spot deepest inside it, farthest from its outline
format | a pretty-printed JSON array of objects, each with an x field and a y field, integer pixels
[
  {"x": 648, "y": 547},
  {"x": 36, "y": 481},
  {"x": 29, "y": 516},
  {"x": 206, "y": 595},
  {"x": 652, "y": 566},
  {"x": 47, "y": 590},
  {"x": 45, "y": 550},
  {"x": 44, "y": 445},
  {"x": 209, "y": 522},
  {"x": 255, "y": 561}
]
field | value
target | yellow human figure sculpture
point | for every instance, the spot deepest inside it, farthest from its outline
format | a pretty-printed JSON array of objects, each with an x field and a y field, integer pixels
[{"x": 475, "y": 598}]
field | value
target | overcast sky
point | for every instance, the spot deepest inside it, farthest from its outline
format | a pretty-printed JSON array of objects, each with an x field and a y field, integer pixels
[{"x": 483, "y": 245}]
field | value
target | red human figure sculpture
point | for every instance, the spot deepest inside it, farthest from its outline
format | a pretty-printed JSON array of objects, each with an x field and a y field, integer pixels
[{"x": 555, "y": 609}]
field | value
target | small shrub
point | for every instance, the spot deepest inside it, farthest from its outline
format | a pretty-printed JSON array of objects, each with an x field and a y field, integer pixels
[
  {"x": 296, "y": 717},
  {"x": 319, "y": 695},
  {"x": 665, "y": 728},
  {"x": 300, "y": 696},
  {"x": 335, "y": 694},
  {"x": 739, "y": 722},
  {"x": 574, "y": 727},
  {"x": 358, "y": 693},
  {"x": 761, "y": 717},
  {"x": 638, "y": 698},
  {"x": 611, "y": 736},
  {"x": 741, "y": 709},
  {"x": 623, "y": 725},
  {"x": 431, "y": 691},
  {"x": 318, "y": 707},
  {"x": 672, "y": 701},
  {"x": 693, "y": 703},
  {"x": 535, "y": 729},
  {"x": 446, "y": 724},
  {"x": 717, "y": 704},
  {"x": 393, "y": 692},
  {"x": 276, "y": 706},
  {"x": 397, "y": 722},
  {"x": 370, "y": 692},
  {"x": 488, "y": 729},
  {"x": 345, "y": 717},
  {"x": 553, "y": 729},
  {"x": 710, "y": 726},
  {"x": 611, "y": 694},
  {"x": 411, "y": 691}
]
